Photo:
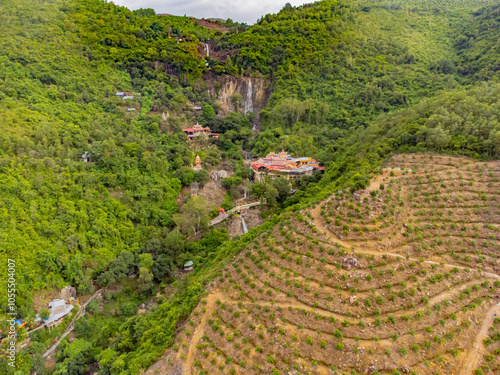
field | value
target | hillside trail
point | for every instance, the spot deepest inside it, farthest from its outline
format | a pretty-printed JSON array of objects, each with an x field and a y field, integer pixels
[
  {"x": 198, "y": 332},
  {"x": 322, "y": 311},
  {"x": 315, "y": 212},
  {"x": 474, "y": 354}
]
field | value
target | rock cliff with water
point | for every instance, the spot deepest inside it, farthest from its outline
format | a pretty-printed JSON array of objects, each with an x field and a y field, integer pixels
[
  {"x": 254, "y": 93},
  {"x": 238, "y": 225}
]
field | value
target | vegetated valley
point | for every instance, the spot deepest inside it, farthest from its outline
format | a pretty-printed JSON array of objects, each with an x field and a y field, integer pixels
[{"x": 317, "y": 193}]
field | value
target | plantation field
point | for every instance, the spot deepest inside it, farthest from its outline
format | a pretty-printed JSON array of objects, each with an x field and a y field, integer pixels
[{"x": 402, "y": 277}]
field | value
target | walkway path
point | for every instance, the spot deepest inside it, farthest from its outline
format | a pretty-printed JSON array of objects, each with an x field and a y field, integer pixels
[
  {"x": 473, "y": 355},
  {"x": 71, "y": 325},
  {"x": 198, "y": 333},
  {"x": 220, "y": 218},
  {"x": 362, "y": 249}
]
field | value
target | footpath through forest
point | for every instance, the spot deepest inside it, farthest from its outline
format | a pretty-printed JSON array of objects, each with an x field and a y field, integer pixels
[{"x": 71, "y": 326}]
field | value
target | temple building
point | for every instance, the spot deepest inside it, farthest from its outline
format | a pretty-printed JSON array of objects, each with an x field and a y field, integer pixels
[
  {"x": 197, "y": 163},
  {"x": 198, "y": 130},
  {"x": 283, "y": 165}
]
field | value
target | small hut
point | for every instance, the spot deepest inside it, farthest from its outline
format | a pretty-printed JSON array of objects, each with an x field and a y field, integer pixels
[{"x": 188, "y": 266}]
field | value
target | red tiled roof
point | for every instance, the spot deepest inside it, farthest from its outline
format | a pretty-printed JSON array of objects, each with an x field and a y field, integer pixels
[
  {"x": 192, "y": 130},
  {"x": 278, "y": 162}
]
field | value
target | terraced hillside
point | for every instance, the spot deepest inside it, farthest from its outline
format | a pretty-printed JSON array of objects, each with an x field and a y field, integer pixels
[{"x": 400, "y": 278}]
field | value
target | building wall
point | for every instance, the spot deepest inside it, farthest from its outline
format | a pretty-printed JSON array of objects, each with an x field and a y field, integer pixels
[{"x": 261, "y": 176}]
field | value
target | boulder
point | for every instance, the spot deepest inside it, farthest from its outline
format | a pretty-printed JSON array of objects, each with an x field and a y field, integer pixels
[
  {"x": 218, "y": 175},
  {"x": 68, "y": 293}
]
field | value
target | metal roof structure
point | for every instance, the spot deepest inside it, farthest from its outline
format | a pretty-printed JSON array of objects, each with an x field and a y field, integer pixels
[{"x": 58, "y": 309}]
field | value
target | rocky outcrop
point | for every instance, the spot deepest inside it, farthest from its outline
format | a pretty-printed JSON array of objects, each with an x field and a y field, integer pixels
[
  {"x": 68, "y": 293},
  {"x": 254, "y": 93},
  {"x": 235, "y": 225},
  {"x": 217, "y": 176}
]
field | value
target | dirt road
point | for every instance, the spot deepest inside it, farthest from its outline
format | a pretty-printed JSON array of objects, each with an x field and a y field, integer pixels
[
  {"x": 198, "y": 332},
  {"x": 473, "y": 355}
]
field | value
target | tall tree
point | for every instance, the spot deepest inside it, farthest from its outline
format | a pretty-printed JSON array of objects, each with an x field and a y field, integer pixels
[{"x": 193, "y": 216}]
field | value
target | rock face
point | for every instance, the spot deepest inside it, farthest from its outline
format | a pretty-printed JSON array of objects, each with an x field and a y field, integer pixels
[
  {"x": 67, "y": 293},
  {"x": 235, "y": 227},
  {"x": 218, "y": 175},
  {"x": 254, "y": 94}
]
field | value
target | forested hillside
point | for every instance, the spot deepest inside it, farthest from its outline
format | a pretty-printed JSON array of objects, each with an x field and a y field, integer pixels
[
  {"x": 64, "y": 220},
  {"x": 350, "y": 83},
  {"x": 58, "y": 81},
  {"x": 337, "y": 65}
]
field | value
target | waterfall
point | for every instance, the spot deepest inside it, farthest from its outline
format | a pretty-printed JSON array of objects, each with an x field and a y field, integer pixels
[
  {"x": 207, "y": 50},
  {"x": 244, "y": 225},
  {"x": 248, "y": 99}
]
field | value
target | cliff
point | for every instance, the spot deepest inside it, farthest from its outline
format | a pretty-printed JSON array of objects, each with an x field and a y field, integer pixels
[{"x": 254, "y": 93}]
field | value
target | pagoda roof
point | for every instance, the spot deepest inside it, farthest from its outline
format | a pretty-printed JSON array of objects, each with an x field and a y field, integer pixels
[{"x": 284, "y": 162}]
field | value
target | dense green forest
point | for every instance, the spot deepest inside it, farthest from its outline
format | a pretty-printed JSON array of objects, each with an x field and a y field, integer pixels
[
  {"x": 336, "y": 65},
  {"x": 59, "y": 214},
  {"x": 352, "y": 83}
]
